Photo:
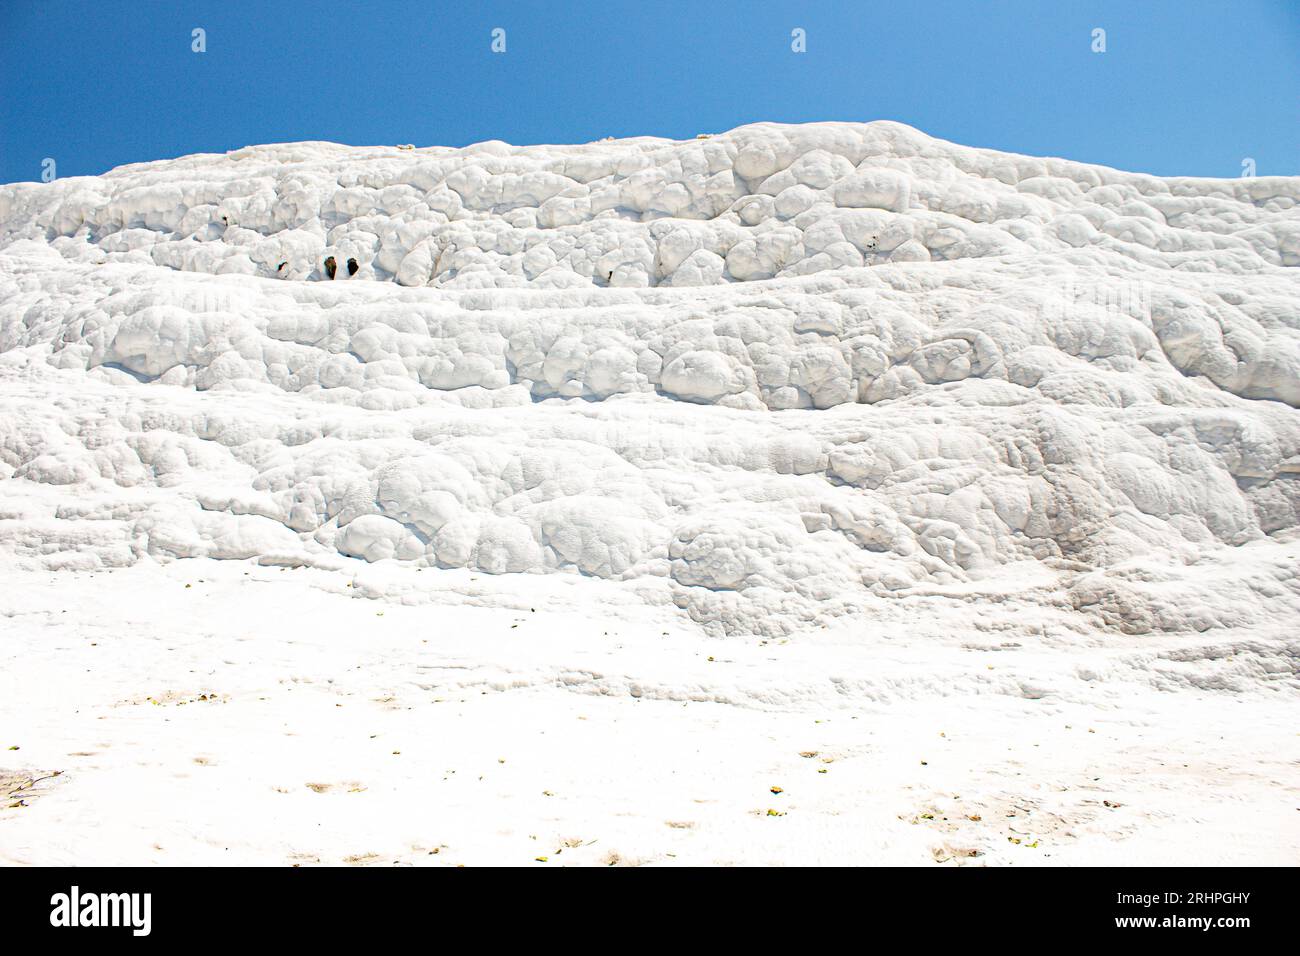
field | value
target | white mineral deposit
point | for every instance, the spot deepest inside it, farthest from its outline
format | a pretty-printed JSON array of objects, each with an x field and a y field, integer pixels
[{"x": 824, "y": 493}]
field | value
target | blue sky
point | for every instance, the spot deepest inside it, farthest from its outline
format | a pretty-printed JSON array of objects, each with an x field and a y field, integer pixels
[{"x": 1184, "y": 88}]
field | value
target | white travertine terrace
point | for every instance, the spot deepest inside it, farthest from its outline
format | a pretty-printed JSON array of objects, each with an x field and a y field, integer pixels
[{"x": 775, "y": 377}]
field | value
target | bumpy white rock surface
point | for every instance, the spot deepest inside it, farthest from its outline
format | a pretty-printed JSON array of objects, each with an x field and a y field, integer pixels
[{"x": 773, "y": 377}]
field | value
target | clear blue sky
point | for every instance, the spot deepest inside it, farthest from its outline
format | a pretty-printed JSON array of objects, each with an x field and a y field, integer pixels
[{"x": 1186, "y": 87}]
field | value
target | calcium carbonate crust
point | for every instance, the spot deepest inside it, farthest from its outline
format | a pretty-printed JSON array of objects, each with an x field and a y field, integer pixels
[{"x": 776, "y": 377}]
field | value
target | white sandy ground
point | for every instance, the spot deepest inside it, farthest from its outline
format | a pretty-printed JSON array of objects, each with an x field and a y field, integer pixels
[{"x": 363, "y": 731}]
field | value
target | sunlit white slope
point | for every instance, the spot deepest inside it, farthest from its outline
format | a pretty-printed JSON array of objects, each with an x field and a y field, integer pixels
[{"x": 773, "y": 377}]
